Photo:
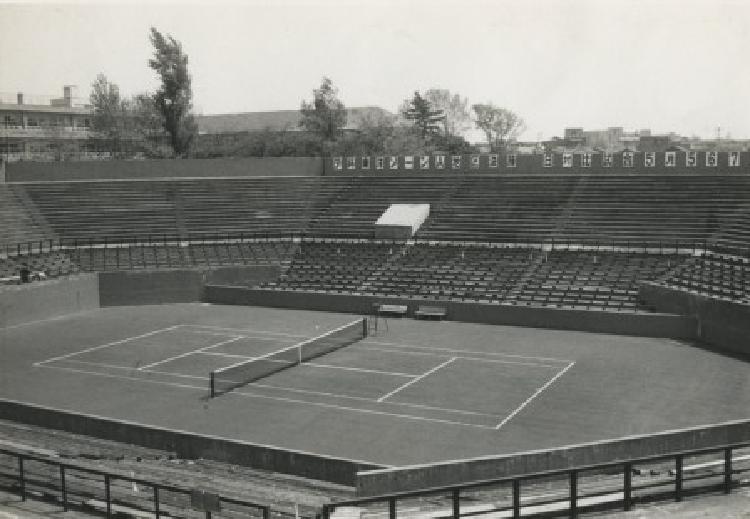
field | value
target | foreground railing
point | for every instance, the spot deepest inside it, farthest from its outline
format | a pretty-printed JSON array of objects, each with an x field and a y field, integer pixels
[
  {"x": 504, "y": 495},
  {"x": 64, "y": 478}
]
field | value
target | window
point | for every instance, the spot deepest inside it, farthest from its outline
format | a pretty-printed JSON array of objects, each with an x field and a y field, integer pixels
[
  {"x": 351, "y": 162},
  {"x": 607, "y": 159},
  {"x": 586, "y": 160},
  {"x": 365, "y": 162},
  {"x": 670, "y": 159},
  {"x": 393, "y": 162},
  {"x": 380, "y": 163},
  {"x": 712, "y": 159},
  {"x": 32, "y": 122},
  {"x": 409, "y": 162},
  {"x": 649, "y": 159},
  {"x": 475, "y": 162},
  {"x": 439, "y": 161},
  {"x": 424, "y": 162},
  {"x": 691, "y": 160},
  {"x": 9, "y": 121},
  {"x": 493, "y": 161},
  {"x": 567, "y": 160},
  {"x": 547, "y": 160},
  {"x": 627, "y": 159},
  {"x": 456, "y": 161},
  {"x": 510, "y": 160},
  {"x": 338, "y": 163},
  {"x": 734, "y": 159}
]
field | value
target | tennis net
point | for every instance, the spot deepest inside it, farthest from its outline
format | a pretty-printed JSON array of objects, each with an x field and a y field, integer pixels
[{"x": 226, "y": 379}]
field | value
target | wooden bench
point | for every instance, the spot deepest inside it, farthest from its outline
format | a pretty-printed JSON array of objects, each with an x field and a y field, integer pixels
[
  {"x": 393, "y": 310},
  {"x": 430, "y": 312}
]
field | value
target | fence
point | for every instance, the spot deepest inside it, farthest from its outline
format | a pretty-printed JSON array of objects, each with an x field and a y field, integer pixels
[
  {"x": 573, "y": 502},
  {"x": 65, "y": 479}
]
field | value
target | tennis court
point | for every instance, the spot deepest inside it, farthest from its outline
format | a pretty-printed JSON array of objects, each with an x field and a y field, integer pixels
[{"x": 415, "y": 392}]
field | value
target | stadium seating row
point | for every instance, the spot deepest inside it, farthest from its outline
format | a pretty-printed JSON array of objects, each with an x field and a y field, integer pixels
[{"x": 621, "y": 209}]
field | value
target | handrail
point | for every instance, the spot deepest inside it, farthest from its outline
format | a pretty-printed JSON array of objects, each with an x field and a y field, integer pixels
[
  {"x": 109, "y": 475},
  {"x": 573, "y": 475}
]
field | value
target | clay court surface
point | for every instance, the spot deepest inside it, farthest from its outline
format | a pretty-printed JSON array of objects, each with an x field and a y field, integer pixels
[{"x": 416, "y": 392}]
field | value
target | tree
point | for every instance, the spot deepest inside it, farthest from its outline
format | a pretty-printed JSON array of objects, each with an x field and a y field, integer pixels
[
  {"x": 420, "y": 111},
  {"x": 325, "y": 116},
  {"x": 108, "y": 120},
  {"x": 174, "y": 97},
  {"x": 498, "y": 124},
  {"x": 455, "y": 108}
]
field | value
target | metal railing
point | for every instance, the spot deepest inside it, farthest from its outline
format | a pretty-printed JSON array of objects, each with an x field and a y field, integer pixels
[
  {"x": 59, "y": 481},
  {"x": 571, "y": 502}
]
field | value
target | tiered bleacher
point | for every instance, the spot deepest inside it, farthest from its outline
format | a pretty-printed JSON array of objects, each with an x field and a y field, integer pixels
[
  {"x": 715, "y": 275},
  {"x": 576, "y": 279},
  {"x": 573, "y": 240}
]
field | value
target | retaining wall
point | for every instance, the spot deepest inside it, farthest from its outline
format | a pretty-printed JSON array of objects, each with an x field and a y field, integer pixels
[
  {"x": 423, "y": 477},
  {"x": 154, "y": 287},
  {"x": 46, "y": 299},
  {"x": 722, "y": 324},
  {"x": 188, "y": 445},
  {"x": 174, "y": 168},
  {"x": 623, "y": 323}
]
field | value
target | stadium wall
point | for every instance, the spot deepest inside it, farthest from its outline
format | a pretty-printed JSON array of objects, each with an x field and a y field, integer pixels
[
  {"x": 173, "y": 286},
  {"x": 623, "y": 323},
  {"x": 722, "y": 324},
  {"x": 173, "y": 168},
  {"x": 48, "y": 299},
  {"x": 526, "y": 164},
  {"x": 422, "y": 477},
  {"x": 188, "y": 445}
]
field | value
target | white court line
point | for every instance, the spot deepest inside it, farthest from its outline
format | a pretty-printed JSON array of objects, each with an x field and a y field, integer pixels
[
  {"x": 363, "y": 370},
  {"x": 291, "y": 389},
  {"x": 417, "y": 379},
  {"x": 281, "y": 399},
  {"x": 227, "y": 355},
  {"x": 199, "y": 350},
  {"x": 400, "y": 345},
  {"x": 113, "y": 343},
  {"x": 171, "y": 374},
  {"x": 365, "y": 399},
  {"x": 445, "y": 355},
  {"x": 243, "y": 330},
  {"x": 532, "y": 397}
]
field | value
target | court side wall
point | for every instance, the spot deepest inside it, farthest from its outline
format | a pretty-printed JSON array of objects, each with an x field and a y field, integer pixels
[
  {"x": 423, "y": 477},
  {"x": 174, "y": 168},
  {"x": 622, "y": 323},
  {"x": 172, "y": 286},
  {"x": 188, "y": 445},
  {"x": 47, "y": 299},
  {"x": 722, "y": 324}
]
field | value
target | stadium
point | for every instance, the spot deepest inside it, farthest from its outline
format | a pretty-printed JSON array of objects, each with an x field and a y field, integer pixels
[{"x": 446, "y": 335}]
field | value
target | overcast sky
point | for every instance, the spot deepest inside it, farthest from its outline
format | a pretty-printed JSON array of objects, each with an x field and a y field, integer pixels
[{"x": 681, "y": 65}]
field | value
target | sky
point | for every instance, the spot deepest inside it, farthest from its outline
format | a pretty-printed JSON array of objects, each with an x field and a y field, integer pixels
[{"x": 668, "y": 65}]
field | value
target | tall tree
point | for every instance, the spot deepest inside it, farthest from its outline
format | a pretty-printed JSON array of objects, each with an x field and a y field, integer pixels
[
  {"x": 457, "y": 118},
  {"x": 174, "y": 97},
  {"x": 498, "y": 124},
  {"x": 421, "y": 112},
  {"x": 109, "y": 113},
  {"x": 325, "y": 115}
]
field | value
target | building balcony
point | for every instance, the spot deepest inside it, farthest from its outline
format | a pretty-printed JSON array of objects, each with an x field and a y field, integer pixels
[{"x": 50, "y": 132}]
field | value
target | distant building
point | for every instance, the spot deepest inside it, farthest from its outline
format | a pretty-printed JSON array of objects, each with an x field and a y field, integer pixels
[{"x": 32, "y": 129}]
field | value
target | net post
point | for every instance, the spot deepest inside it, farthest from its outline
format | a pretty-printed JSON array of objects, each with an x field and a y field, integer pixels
[
  {"x": 364, "y": 327},
  {"x": 727, "y": 470},
  {"x": 211, "y": 384}
]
